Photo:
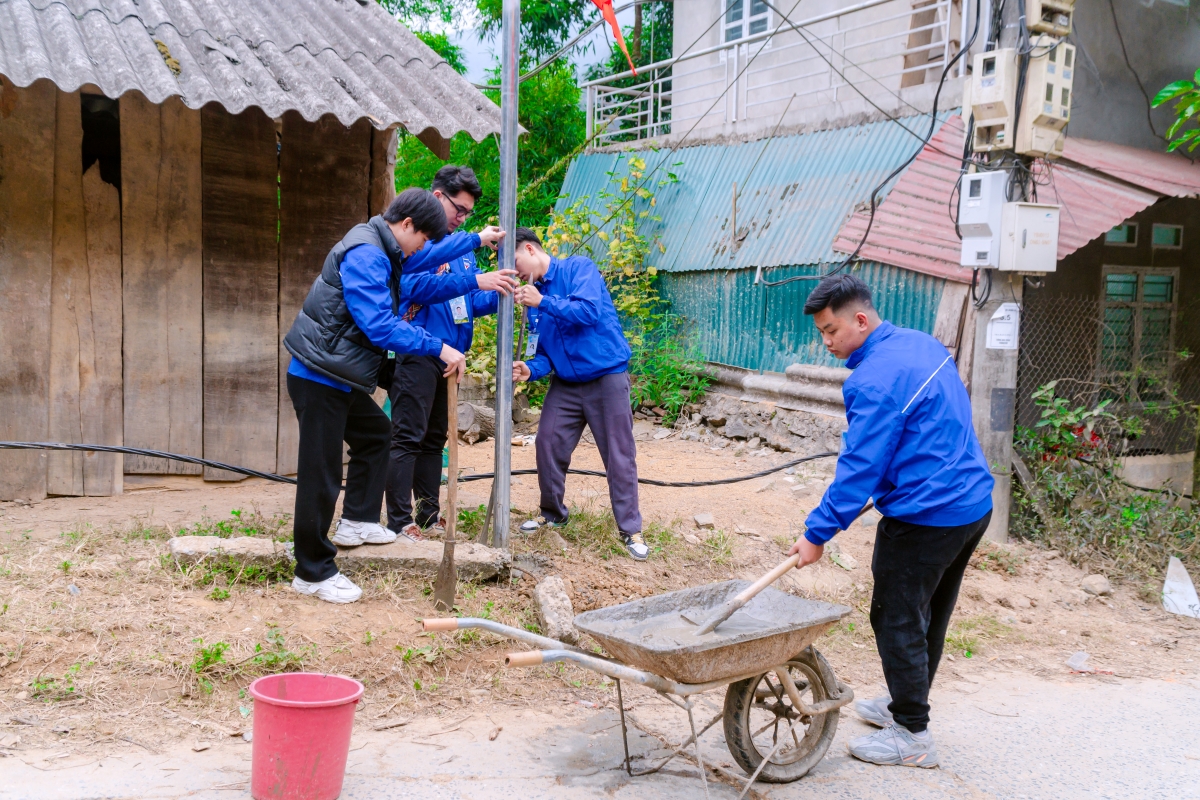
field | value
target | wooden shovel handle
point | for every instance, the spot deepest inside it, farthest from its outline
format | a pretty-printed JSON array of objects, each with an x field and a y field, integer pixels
[
  {"x": 452, "y": 466},
  {"x": 746, "y": 594}
]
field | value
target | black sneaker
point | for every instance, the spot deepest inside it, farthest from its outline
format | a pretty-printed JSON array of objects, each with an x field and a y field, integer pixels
[{"x": 537, "y": 523}]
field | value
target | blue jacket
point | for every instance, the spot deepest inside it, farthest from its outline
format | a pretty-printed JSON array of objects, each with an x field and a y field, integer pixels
[
  {"x": 579, "y": 336},
  {"x": 365, "y": 270},
  {"x": 425, "y": 296},
  {"x": 910, "y": 443}
]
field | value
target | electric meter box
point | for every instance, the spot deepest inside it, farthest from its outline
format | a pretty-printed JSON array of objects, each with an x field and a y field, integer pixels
[
  {"x": 980, "y": 214},
  {"x": 1029, "y": 238},
  {"x": 1049, "y": 16},
  {"x": 1046, "y": 107},
  {"x": 993, "y": 99}
]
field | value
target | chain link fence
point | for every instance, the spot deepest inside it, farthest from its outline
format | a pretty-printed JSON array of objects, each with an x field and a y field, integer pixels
[{"x": 1093, "y": 356}]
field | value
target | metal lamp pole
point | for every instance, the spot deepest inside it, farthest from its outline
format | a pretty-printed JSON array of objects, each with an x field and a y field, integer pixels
[{"x": 510, "y": 34}]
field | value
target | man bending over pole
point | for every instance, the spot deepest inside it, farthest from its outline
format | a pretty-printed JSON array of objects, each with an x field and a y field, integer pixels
[
  {"x": 575, "y": 334},
  {"x": 338, "y": 343},
  {"x": 910, "y": 446}
]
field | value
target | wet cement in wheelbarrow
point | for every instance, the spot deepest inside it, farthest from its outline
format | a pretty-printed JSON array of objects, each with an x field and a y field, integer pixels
[{"x": 657, "y": 623}]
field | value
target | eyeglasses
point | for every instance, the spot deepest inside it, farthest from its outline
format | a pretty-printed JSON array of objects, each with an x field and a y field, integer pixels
[{"x": 464, "y": 213}]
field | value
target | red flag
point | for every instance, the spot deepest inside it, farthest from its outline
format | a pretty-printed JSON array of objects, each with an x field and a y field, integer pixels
[{"x": 606, "y": 11}]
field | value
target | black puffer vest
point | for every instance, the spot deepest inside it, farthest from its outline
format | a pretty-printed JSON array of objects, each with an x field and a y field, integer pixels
[{"x": 324, "y": 337}]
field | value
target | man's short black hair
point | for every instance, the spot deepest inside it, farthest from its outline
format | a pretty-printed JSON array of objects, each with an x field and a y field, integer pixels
[
  {"x": 526, "y": 235},
  {"x": 452, "y": 179},
  {"x": 837, "y": 292},
  {"x": 422, "y": 208}
]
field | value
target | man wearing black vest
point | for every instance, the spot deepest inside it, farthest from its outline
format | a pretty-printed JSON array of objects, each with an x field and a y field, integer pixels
[{"x": 339, "y": 341}]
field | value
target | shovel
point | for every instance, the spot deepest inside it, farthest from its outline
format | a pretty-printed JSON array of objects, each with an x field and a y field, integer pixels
[
  {"x": 746, "y": 595},
  {"x": 446, "y": 583}
]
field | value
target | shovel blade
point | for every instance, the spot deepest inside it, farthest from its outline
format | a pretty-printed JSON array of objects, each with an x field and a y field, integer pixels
[{"x": 446, "y": 583}]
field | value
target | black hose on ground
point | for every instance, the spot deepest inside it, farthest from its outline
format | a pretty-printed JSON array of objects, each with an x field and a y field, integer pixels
[{"x": 480, "y": 476}]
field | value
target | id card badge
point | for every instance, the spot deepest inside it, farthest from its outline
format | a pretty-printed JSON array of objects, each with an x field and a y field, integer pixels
[
  {"x": 531, "y": 345},
  {"x": 458, "y": 308}
]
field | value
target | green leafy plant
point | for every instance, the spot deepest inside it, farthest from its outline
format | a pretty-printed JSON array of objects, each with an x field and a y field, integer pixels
[
  {"x": 1078, "y": 503},
  {"x": 1186, "y": 95},
  {"x": 209, "y": 659},
  {"x": 51, "y": 690},
  {"x": 275, "y": 656}
]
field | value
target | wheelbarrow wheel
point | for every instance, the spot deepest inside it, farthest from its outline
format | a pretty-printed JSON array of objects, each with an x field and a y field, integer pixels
[{"x": 758, "y": 712}]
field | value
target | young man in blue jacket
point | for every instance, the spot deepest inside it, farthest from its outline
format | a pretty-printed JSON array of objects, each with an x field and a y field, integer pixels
[
  {"x": 909, "y": 445},
  {"x": 576, "y": 336},
  {"x": 443, "y": 298},
  {"x": 338, "y": 342}
]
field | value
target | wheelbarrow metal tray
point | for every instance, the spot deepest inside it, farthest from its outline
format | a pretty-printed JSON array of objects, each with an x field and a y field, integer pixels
[{"x": 651, "y": 635}]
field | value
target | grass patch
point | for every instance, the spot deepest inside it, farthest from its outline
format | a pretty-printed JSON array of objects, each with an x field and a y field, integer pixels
[
  {"x": 718, "y": 547},
  {"x": 243, "y": 523},
  {"x": 268, "y": 658},
  {"x": 224, "y": 572},
  {"x": 596, "y": 531},
  {"x": 470, "y": 521},
  {"x": 52, "y": 690},
  {"x": 992, "y": 557},
  {"x": 966, "y": 636}
]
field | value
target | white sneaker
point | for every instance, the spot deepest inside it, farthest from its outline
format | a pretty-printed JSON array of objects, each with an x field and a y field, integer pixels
[
  {"x": 338, "y": 589},
  {"x": 351, "y": 534}
]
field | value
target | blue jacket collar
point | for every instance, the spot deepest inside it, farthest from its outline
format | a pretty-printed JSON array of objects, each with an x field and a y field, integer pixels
[
  {"x": 884, "y": 330},
  {"x": 549, "y": 276}
]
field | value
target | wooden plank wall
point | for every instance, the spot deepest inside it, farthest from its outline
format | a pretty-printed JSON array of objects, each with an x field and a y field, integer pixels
[
  {"x": 241, "y": 289},
  {"x": 324, "y": 174},
  {"x": 70, "y": 300},
  {"x": 27, "y": 122},
  {"x": 85, "y": 317},
  {"x": 101, "y": 386},
  {"x": 162, "y": 284}
]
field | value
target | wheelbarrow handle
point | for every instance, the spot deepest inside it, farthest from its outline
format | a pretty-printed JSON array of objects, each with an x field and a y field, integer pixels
[
  {"x": 444, "y": 624},
  {"x": 530, "y": 658},
  {"x": 745, "y": 595}
]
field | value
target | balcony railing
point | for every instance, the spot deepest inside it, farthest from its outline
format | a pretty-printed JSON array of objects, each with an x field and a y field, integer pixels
[{"x": 879, "y": 49}]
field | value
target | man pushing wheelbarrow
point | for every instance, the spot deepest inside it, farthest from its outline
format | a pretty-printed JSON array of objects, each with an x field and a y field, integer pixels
[{"x": 911, "y": 447}]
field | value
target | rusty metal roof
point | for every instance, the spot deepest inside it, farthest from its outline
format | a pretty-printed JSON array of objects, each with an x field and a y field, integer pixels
[
  {"x": 348, "y": 58},
  {"x": 1098, "y": 185},
  {"x": 793, "y": 193},
  {"x": 1169, "y": 174}
]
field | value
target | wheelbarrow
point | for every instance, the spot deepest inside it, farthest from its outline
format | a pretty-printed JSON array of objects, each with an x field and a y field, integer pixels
[{"x": 782, "y": 699}]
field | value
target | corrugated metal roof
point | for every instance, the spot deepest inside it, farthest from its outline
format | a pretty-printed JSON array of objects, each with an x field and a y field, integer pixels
[
  {"x": 799, "y": 191},
  {"x": 913, "y": 229},
  {"x": 348, "y": 58},
  {"x": 1168, "y": 174}
]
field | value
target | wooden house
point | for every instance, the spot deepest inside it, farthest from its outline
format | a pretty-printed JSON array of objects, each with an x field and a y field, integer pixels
[{"x": 172, "y": 175}]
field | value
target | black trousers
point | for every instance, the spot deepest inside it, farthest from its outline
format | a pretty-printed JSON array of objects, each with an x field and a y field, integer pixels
[
  {"x": 419, "y": 422},
  {"x": 918, "y": 570},
  {"x": 328, "y": 417}
]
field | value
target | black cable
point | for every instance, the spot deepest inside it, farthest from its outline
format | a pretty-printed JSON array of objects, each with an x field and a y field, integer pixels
[
  {"x": 479, "y": 476},
  {"x": 907, "y": 162}
]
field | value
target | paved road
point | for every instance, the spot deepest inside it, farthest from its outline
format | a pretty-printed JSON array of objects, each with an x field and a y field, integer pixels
[{"x": 1016, "y": 737}]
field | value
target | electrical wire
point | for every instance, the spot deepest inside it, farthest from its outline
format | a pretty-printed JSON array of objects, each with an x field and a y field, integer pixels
[
  {"x": 875, "y": 192},
  {"x": 478, "y": 476}
]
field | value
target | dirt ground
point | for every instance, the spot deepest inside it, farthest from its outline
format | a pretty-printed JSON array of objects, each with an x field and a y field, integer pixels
[{"x": 107, "y": 647}]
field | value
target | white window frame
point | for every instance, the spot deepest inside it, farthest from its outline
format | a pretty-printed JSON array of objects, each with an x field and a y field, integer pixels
[{"x": 743, "y": 26}]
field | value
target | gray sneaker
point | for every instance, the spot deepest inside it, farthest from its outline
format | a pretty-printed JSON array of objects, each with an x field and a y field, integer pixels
[
  {"x": 896, "y": 746},
  {"x": 875, "y": 711},
  {"x": 537, "y": 523}
]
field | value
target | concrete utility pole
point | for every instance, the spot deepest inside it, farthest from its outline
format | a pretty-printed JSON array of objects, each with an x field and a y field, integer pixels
[{"x": 510, "y": 55}]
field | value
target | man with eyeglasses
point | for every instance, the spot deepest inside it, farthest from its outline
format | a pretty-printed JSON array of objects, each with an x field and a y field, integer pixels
[{"x": 444, "y": 299}]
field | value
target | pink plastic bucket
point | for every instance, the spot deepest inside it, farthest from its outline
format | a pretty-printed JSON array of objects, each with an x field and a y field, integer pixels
[{"x": 302, "y": 724}]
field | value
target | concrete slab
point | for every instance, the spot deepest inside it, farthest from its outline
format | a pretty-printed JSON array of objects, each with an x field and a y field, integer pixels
[
  {"x": 474, "y": 561},
  {"x": 251, "y": 549}
]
